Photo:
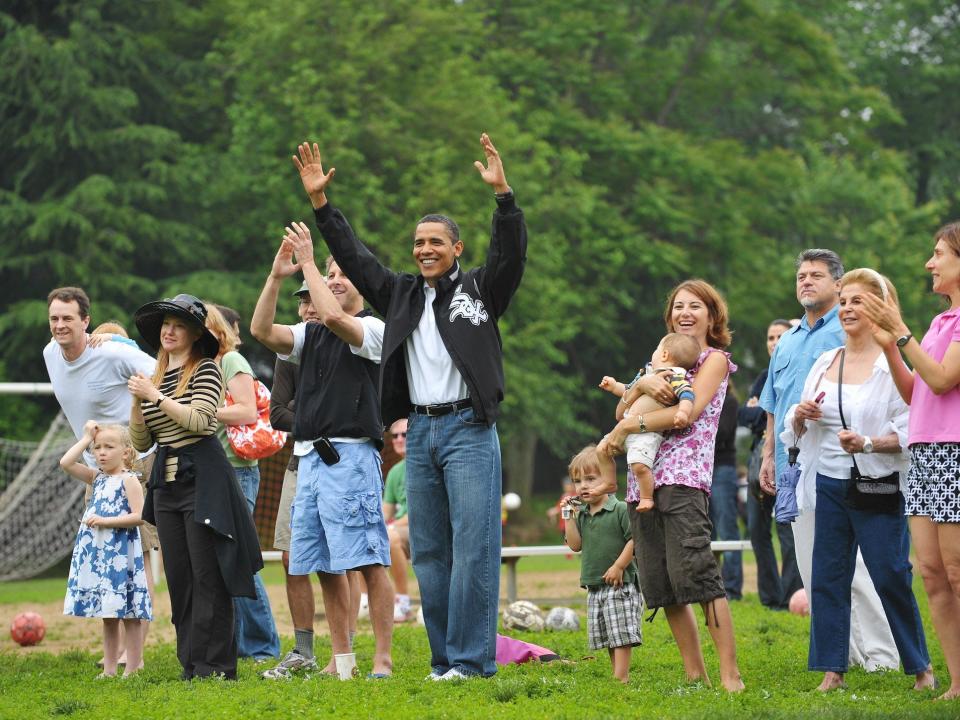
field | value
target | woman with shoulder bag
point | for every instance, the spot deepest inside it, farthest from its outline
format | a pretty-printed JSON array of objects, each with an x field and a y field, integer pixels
[
  {"x": 850, "y": 427},
  {"x": 254, "y": 627}
]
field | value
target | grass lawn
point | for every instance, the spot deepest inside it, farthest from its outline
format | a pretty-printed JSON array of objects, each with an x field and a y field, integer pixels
[{"x": 772, "y": 649}]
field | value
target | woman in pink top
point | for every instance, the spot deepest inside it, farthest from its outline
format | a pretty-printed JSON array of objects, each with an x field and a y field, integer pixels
[
  {"x": 933, "y": 482},
  {"x": 672, "y": 541}
]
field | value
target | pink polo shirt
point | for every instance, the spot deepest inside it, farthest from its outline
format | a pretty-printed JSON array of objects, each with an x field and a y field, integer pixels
[{"x": 936, "y": 418}]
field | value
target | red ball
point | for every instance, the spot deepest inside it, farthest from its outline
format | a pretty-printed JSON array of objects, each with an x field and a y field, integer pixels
[{"x": 27, "y": 628}]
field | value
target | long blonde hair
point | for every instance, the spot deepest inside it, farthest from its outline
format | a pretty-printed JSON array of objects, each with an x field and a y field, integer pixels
[
  {"x": 186, "y": 372},
  {"x": 221, "y": 329}
]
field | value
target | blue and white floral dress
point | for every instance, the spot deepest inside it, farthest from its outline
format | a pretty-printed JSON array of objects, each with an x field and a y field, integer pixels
[{"x": 107, "y": 579}]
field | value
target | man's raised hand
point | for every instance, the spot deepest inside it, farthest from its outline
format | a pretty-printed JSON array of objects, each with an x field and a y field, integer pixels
[
  {"x": 298, "y": 236},
  {"x": 493, "y": 173},
  {"x": 314, "y": 180},
  {"x": 283, "y": 264}
]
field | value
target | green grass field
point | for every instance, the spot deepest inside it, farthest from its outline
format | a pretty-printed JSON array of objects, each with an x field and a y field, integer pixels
[{"x": 772, "y": 648}]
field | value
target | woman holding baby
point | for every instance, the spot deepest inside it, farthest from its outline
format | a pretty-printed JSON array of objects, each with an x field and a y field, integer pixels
[{"x": 672, "y": 540}]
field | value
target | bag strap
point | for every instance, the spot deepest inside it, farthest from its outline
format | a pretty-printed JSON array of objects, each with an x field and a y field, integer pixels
[{"x": 840, "y": 401}]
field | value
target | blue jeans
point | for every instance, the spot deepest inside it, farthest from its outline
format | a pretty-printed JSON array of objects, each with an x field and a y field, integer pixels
[
  {"x": 885, "y": 545},
  {"x": 775, "y": 588},
  {"x": 254, "y": 628},
  {"x": 723, "y": 515},
  {"x": 453, "y": 501}
]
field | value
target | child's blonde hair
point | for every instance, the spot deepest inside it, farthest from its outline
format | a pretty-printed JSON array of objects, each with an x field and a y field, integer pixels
[
  {"x": 583, "y": 462},
  {"x": 131, "y": 461},
  {"x": 111, "y": 327}
]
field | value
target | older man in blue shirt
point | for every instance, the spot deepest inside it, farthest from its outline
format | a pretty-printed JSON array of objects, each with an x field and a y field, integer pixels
[{"x": 818, "y": 283}]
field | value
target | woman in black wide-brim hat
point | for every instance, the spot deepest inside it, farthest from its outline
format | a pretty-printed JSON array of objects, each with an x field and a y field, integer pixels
[{"x": 208, "y": 540}]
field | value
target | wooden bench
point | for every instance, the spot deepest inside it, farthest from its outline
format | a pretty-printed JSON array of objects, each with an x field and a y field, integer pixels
[{"x": 511, "y": 556}]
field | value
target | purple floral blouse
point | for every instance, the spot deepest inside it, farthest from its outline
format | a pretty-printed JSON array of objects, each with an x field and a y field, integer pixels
[{"x": 686, "y": 456}]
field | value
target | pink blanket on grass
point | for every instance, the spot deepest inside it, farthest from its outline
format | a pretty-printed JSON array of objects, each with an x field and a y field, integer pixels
[{"x": 510, "y": 650}]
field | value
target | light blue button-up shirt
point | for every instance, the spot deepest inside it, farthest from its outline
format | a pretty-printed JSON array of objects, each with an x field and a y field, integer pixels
[{"x": 790, "y": 363}]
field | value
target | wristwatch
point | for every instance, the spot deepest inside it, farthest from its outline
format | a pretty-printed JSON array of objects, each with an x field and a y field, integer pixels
[
  {"x": 867, "y": 444},
  {"x": 901, "y": 341}
]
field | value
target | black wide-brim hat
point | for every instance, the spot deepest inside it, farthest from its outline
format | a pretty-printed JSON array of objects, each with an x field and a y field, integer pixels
[{"x": 149, "y": 319}]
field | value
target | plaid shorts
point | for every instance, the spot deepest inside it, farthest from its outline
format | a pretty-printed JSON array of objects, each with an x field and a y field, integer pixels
[{"x": 613, "y": 616}]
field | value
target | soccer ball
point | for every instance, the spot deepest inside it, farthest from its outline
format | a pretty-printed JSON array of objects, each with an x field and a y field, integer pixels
[
  {"x": 523, "y": 615},
  {"x": 511, "y": 501},
  {"x": 27, "y": 628},
  {"x": 563, "y": 618}
]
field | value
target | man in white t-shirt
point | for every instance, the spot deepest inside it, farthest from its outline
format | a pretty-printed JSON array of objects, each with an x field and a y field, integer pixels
[
  {"x": 90, "y": 383},
  {"x": 337, "y": 520}
]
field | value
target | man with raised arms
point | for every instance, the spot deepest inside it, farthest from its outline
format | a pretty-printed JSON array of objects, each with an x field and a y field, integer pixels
[{"x": 442, "y": 368}]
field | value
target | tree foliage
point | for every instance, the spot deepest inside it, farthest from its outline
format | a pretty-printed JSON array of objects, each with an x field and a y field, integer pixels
[{"x": 647, "y": 142}]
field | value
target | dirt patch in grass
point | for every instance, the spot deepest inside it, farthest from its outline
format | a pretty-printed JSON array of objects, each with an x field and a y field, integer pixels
[{"x": 64, "y": 632}]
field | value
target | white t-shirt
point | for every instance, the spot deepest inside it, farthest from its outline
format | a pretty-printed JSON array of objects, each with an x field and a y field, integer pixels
[
  {"x": 370, "y": 349},
  {"x": 431, "y": 375},
  {"x": 94, "y": 386}
]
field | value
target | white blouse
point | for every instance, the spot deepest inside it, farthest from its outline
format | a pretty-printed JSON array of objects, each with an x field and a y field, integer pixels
[{"x": 880, "y": 412}]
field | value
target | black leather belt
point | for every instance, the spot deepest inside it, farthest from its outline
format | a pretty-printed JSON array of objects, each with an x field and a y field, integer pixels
[{"x": 442, "y": 408}]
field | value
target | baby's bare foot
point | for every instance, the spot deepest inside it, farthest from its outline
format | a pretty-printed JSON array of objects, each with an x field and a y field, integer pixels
[{"x": 645, "y": 505}]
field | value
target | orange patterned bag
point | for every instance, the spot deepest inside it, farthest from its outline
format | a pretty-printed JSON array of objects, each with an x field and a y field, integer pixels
[{"x": 258, "y": 439}]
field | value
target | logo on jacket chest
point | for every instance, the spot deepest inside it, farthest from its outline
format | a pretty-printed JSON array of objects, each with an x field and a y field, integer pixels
[{"x": 462, "y": 305}]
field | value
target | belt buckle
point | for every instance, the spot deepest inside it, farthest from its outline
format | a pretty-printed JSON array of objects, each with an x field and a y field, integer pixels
[{"x": 430, "y": 410}]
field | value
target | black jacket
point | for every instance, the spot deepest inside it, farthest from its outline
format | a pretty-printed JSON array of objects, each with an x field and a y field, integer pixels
[
  {"x": 336, "y": 389},
  {"x": 467, "y": 307},
  {"x": 219, "y": 504},
  {"x": 755, "y": 418}
]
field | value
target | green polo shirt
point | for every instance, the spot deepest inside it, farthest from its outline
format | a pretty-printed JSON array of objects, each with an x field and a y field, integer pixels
[
  {"x": 604, "y": 536},
  {"x": 395, "y": 491}
]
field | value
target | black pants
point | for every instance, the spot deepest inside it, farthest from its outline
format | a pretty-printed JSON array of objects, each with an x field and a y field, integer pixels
[
  {"x": 775, "y": 589},
  {"x": 201, "y": 607}
]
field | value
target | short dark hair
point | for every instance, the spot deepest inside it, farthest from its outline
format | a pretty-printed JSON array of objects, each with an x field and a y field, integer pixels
[
  {"x": 231, "y": 316},
  {"x": 71, "y": 294},
  {"x": 452, "y": 229},
  {"x": 827, "y": 257}
]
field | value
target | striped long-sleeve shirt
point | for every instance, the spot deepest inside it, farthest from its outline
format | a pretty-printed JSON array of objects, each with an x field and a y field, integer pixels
[{"x": 203, "y": 396}]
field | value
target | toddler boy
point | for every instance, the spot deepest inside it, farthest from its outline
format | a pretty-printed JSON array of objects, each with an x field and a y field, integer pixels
[{"x": 599, "y": 528}]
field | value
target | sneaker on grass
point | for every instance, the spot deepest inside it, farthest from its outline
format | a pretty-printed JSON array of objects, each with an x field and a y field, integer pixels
[
  {"x": 403, "y": 614},
  {"x": 454, "y": 675},
  {"x": 292, "y": 663}
]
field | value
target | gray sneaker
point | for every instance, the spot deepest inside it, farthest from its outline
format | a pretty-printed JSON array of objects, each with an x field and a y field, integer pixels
[{"x": 292, "y": 663}]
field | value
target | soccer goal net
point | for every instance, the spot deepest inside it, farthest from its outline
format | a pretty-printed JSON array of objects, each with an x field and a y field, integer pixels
[{"x": 40, "y": 505}]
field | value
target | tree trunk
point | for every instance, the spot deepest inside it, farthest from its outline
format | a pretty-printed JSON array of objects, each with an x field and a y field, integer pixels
[{"x": 518, "y": 462}]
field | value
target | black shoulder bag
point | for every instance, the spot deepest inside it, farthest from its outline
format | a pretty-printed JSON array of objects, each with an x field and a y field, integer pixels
[{"x": 880, "y": 495}]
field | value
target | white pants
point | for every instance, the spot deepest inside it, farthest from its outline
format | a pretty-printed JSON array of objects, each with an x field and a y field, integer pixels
[{"x": 871, "y": 642}]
